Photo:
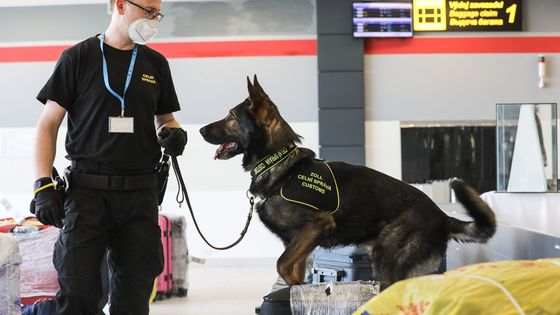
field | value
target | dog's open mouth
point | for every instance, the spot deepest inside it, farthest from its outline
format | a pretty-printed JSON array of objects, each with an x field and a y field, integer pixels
[{"x": 224, "y": 150}]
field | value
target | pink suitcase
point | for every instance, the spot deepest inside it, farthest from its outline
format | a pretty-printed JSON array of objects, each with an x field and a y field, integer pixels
[{"x": 165, "y": 279}]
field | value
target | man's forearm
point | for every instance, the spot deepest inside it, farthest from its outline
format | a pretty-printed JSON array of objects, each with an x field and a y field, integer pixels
[
  {"x": 170, "y": 124},
  {"x": 45, "y": 151},
  {"x": 45, "y": 139}
]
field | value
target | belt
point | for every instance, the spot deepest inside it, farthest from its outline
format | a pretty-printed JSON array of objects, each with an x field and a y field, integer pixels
[
  {"x": 106, "y": 168},
  {"x": 111, "y": 182}
]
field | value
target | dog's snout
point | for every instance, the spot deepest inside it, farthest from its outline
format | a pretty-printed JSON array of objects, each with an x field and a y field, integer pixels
[{"x": 203, "y": 131}]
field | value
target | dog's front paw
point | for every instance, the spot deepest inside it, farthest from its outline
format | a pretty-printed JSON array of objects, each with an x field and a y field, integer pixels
[
  {"x": 293, "y": 277},
  {"x": 292, "y": 280},
  {"x": 290, "y": 276}
]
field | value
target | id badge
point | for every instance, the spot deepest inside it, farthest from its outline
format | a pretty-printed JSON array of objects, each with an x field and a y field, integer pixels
[{"x": 121, "y": 124}]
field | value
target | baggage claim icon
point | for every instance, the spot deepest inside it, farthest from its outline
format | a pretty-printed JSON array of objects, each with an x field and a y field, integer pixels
[{"x": 430, "y": 15}]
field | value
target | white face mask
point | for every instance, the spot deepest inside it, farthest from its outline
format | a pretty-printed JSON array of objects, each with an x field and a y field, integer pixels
[{"x": 142, "y": 30}]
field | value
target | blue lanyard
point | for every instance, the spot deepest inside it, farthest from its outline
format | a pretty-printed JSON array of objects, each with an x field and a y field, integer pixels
[{"x": 128, "y": 75}]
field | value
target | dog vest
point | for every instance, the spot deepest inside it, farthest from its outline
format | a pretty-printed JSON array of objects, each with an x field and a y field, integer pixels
[{"x": 313, "y": 185}]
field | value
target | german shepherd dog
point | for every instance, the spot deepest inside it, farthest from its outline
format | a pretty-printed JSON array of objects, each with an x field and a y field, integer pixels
[{"x": 406, "y": 231}]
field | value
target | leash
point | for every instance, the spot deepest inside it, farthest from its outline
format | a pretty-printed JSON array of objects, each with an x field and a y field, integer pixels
[{"x": 182, "y": 193}]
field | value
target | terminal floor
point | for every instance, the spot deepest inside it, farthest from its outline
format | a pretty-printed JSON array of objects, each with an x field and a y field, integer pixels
[{"x": 221, "y": 289}]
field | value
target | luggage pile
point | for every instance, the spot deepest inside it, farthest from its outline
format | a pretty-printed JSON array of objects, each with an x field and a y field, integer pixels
[
  {"x": 341, "y": 280},
  {"x": 26, "y": 267},
  {"x": 38, "y": 275}
]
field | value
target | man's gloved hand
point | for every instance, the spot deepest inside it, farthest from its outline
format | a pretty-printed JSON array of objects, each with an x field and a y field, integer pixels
[
  {"x": 173, "y": 140},
  {"x": 48, "y": 204}
]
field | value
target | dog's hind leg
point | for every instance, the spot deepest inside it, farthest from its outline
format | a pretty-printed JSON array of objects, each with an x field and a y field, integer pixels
[
  {"x": 403, "y": 251},
  {"x": 393, "y": 269},
  {"x": 291, "y": 264}
]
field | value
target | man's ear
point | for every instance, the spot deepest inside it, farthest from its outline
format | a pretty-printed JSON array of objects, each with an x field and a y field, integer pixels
[{"x": 120, "y": 6}]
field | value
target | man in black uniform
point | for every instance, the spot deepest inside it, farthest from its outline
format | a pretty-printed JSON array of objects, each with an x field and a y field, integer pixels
[{"x": 120, "y": 99}]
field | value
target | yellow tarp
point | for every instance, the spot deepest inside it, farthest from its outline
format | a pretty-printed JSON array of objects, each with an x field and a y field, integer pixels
[{"x": 505, "y": 287}]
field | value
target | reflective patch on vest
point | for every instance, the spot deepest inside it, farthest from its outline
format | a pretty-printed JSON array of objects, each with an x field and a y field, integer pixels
[{"x": 313, "y": 185}]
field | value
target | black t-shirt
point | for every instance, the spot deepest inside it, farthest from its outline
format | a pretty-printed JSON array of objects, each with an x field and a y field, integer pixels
[{"x": 77, "y": 85}]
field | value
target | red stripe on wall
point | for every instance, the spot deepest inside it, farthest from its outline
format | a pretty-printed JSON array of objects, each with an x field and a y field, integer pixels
[
  {"x": 462, "y": 45},
  {"x": 31, "y": 53},
  {"x": 261, "y": 48},
  {"x": 238, "y": 48},
  {"x": 255, "y": 48}
]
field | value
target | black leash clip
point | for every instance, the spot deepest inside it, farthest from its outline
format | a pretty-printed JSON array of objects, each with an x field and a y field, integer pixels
[
  {"x": 162, "y": 171},
  {"x": 60, "y": 184}
]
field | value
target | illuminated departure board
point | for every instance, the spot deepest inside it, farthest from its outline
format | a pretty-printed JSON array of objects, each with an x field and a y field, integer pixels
[{"x": 382, "y": 19}]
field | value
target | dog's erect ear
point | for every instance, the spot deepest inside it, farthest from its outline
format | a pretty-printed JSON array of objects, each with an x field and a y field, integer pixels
[
  {"x": 259, "y": 107},
  {"x": 249, "y": 84},
  {"x": 254, "y": 93},
  {"x": 258, "y": 86}
]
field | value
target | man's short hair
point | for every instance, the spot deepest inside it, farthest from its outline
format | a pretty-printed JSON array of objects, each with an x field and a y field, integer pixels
[{"x": 110, "y": 5}]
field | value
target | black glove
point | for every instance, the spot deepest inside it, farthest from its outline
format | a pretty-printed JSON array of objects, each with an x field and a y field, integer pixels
[
  {"x": 173, "y": 140},
  {"x": 48, "y": 203}
]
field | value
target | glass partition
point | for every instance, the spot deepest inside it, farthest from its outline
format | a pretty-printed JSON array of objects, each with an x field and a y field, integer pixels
[{"x": 526, "y": 147}]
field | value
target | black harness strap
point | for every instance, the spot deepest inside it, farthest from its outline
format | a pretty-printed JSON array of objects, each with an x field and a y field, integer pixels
[{"x": 269, "y": 161}]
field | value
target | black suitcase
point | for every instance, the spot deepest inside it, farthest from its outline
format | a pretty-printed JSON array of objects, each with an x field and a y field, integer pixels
[{"x": 275, "y": 303}]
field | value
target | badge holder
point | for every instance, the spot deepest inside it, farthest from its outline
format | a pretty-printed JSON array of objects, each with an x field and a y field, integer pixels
[{"x": 121, "y": 124}]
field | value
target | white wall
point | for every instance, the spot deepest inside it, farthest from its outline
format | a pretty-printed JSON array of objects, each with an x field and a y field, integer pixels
[
  {"x": 446, "y": 87},
  {"x": 383, "y": 147}
]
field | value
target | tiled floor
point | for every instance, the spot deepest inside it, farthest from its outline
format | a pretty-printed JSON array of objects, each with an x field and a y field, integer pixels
[{"x": 221, "y": 289}]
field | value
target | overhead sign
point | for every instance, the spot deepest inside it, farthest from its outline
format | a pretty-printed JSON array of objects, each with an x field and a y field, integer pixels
[
  {"x": 461, "y": 16},
  {"x": 382, "y": 19}
]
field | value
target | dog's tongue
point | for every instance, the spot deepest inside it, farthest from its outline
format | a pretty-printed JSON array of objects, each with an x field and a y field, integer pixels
[
  {"x": 219, "y": 151},
  {"x": 223, "y": 148}
]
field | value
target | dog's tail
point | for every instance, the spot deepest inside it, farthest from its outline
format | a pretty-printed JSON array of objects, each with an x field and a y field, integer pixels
[{"x": 484, "y": 225}]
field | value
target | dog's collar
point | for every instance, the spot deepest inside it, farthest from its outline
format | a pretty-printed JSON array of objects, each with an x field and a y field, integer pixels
[{"x": 269, "y": 161}]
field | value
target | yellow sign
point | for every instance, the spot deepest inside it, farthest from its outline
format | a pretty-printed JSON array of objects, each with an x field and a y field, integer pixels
[
  {"x": 473, "y": 15},
  {"x": 430, "y": 15}
]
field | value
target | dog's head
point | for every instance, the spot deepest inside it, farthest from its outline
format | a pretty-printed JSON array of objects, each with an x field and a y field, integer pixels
[{"x": 254, "y": 128}]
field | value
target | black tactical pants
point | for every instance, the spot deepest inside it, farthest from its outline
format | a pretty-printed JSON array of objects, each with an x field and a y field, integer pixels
[{"x": 125, "y": 223}]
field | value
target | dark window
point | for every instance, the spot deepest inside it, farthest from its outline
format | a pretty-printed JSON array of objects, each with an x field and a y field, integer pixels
[{"x": 437, "y": 153}]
